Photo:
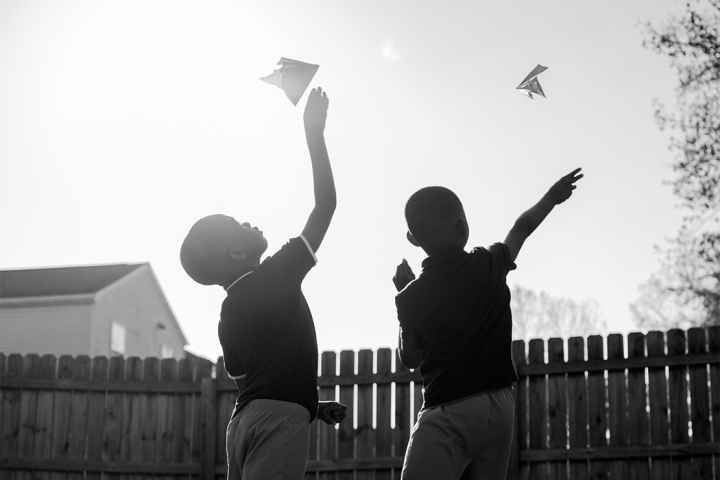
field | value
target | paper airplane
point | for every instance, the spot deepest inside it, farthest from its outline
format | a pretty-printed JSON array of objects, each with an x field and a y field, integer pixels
[
  {"x": 292, "y": 76},
  {"x": 531, "y": 82}
]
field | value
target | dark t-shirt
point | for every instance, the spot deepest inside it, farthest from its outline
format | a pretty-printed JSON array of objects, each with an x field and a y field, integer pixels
[
  {"x": 267, "y": 333},
  {"x": 458, "y": 309}
]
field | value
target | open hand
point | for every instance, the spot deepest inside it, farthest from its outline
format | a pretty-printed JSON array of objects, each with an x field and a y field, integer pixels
[
  {"x": 403, "y": 275},
  {"x": 331, "y": 412},
  {"x": 562, "y": 189},
  {"x": 316, "y": 110}
]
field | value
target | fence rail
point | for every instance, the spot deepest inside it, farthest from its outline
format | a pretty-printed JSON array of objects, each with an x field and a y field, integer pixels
[{"x": 640, "y": 406}]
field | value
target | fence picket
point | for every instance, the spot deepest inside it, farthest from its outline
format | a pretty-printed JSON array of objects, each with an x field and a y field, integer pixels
[
  {"x": 659, "y": 412},
  {"x": 346, "y": 432},
  {"x": 61, "y": 415},
  {"x": 184, "y": 414},
  {"x": 151, "y": 376},
  {"x": 714, "y": 349},
  {"x": 112, "y": 432},
  {"x": 132, "y": 445},
  {"x": 700, "y": 406},
  {"x": 365, "y": 414},
  {"x": 168, "y": 433},
  {"x": 42, "y": 441},
  {"x": 577, "y": 408},
  {"x": 596, "y": 407},
  {"x": 537, "y": 402},
  {"x": 198, "y": 447},
  {"x": 79, "y": 414},
  {"x": 557, "y": 408},
  {"x": 678, "y": 394},
  {"x": 96, "y": 414},
  {"x": 617, "y": 404},
  {"x": 638, "y": 428},
  {"x": 383, "y": 432}
]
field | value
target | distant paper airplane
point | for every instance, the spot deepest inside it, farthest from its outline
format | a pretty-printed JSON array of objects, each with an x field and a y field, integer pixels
[
  {"x": 292, "y": 76},
  {"x": 531, "y": 82}
]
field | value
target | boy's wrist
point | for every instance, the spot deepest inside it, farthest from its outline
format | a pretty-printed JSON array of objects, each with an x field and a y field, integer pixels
[{"x": 548, "y": 199}]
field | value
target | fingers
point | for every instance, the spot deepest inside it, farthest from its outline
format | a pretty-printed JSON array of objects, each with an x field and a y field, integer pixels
[
  {"x": 318, "y": 94},
  {"x": 573, "y": 176}
]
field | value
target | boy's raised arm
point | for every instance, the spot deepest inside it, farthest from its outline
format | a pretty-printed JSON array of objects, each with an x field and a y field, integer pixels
[
  {"x": 529, "y": 221},
  {"x": 314, "y": 118}
]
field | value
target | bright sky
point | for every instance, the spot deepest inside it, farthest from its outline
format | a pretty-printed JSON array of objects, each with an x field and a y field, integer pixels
[{"x": 126, "y": 121}]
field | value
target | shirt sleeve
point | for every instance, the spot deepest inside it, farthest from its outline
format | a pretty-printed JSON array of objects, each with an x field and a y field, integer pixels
[
  {"x": 295, "y": 258},
  {"x": 401, "y": 312},
  {"x": 500, "y": 263},
  {"x": 233, "y": 363}
]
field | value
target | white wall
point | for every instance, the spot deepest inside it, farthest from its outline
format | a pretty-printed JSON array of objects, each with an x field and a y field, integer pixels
[
  {"x": 136, "y": 303},
  {"x": 56, "y": 329}
]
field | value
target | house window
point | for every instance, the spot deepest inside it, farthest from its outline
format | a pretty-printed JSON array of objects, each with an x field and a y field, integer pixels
[
  {"x": 117, "y": 339},
  {"x": 166, "y": 352}
]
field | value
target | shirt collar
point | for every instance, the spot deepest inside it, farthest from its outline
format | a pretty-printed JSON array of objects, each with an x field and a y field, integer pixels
[{"x": 227, "y": 289}]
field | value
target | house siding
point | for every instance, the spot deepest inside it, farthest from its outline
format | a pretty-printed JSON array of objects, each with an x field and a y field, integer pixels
[
  {"x": 54, "y": 329},
  {"x": 136, "y": 303}
]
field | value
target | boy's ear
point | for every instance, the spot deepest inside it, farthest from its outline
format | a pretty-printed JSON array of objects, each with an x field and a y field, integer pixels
[
  {"x": 411, "y": 238},
  {"x": 464, "y": 230},
  {"x": 239, "y": 256}
]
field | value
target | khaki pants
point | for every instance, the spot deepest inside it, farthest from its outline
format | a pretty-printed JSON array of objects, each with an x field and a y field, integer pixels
[
  {"x": 469, "y": 438},
  {"x": 268, "y": 440}
]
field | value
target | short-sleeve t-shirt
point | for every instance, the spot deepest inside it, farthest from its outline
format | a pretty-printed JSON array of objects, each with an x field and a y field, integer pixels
[
  {"x": 267, "y": 333},
  {"x": 458, "y": 309}
]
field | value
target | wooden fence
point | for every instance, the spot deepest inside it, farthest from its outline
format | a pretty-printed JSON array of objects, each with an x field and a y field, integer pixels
[{"x": 636, "y": 407}]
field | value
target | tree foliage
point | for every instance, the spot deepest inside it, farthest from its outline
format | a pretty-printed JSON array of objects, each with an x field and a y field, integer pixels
[
  {"x": 538, "y": 314},
  {"x": 688, "y": 283}
]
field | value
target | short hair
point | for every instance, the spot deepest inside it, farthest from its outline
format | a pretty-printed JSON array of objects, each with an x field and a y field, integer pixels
[
  {"x": 431, "y": 205},
  {"x": 204, "y": 253}
]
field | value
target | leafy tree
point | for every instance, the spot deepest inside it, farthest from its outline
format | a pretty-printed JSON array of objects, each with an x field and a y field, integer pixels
[
  {"x": 686, "y": 290},
  {"x": 538, "y": 314}
]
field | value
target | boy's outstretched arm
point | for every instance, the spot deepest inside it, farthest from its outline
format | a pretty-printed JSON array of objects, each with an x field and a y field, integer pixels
[
  {"x": 314, "y": 118},
  {"x": 529, "y": 221}
]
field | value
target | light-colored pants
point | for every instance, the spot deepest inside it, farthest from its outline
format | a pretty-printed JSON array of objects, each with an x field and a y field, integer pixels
[
  {"x": 268, "y": 440},
  {"x": 469, "y": 438}
]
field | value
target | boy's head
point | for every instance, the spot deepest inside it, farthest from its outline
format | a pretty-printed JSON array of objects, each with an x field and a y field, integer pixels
[
  {"x": 218, "y": 249},
  {"x": 436, "y": 220}
]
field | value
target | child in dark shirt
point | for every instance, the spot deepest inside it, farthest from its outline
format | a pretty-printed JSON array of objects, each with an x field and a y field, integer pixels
[
  {"x": 456, "y": 326},
  {"x": 266, "y": 329}
]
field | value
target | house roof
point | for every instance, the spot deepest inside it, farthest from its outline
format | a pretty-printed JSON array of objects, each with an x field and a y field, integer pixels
[
  {"x": 44, "y": 282},
  {"x": 67, "y": 285}
]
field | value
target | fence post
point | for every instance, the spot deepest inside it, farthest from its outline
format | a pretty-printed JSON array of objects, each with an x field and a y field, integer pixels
[{"x": 209, "y": 424}]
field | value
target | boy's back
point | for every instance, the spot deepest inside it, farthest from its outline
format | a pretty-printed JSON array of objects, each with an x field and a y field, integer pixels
[
  {"x": 459, "y": 309},
  {"x": 456, "y": 325}
]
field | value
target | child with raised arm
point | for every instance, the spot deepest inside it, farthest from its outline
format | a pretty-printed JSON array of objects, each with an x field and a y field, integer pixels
[
  {"x": 456, "y": 326},
  {"x": 266, "y": 329}
]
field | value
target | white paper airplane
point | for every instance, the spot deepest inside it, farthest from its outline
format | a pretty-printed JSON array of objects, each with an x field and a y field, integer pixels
[
  {"x": 292, "y": 76},
  {"x": 531, "y": 82}
]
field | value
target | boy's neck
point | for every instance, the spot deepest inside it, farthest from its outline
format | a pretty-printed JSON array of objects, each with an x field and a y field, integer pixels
[
  {"x": 244, "y": 270},
  {"x": 445, "y": 251}
]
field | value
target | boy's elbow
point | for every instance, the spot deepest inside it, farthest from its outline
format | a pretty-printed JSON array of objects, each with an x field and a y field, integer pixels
[
  {"x": 326, "y": 206},
  {"x": 410, "y": 359},
  {"x": 522, "y": 225}
]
